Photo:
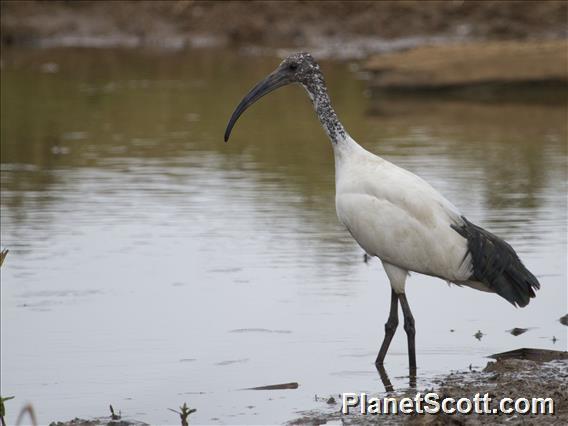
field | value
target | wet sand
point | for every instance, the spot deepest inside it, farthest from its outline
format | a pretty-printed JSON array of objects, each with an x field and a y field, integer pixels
[{"x": 512, "y": 378}]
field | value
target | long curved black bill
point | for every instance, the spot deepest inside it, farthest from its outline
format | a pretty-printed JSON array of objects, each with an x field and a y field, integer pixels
[{"x": 272, "y": 82}]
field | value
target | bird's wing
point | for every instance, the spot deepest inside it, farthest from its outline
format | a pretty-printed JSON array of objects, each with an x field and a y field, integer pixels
[
  {"x": 496, "y": 264},
  {"x": 398, "y": 217}
]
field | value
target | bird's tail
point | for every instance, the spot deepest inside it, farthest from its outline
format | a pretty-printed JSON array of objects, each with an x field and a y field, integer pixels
[{"x": 496, "y": 265}]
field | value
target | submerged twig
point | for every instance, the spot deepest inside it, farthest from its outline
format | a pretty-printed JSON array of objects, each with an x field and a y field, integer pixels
[
  {"x": 30, "y": 410},
  {"x": 291, "y": 385}
]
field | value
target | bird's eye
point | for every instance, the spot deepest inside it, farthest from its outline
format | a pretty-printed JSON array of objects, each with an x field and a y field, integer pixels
[{"x": 293, "y": 66}]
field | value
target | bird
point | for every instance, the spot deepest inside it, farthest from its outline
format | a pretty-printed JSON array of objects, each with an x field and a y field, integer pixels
[{"x": 397, "y": 216}]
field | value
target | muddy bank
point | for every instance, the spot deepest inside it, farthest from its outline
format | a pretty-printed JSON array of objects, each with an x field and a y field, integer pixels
[
  {"x": 101, "y": 421},
  {"x": 344, "y": 29},
  {"x": 498, "y": 65},
  {"x": 504, "y": 378}
]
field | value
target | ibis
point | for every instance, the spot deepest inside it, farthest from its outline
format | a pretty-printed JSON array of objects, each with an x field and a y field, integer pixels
[{"x": 398, "y": 217}]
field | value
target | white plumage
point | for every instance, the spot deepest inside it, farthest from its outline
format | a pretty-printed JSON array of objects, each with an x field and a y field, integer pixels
[{"x": 398, "y": 217}]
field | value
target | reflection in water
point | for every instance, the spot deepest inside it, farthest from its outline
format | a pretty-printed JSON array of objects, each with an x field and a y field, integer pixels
[
  {"x": 388, "y": 384},
  {"x": 138, "y": 238},
  {"x": 385, "y": 378}
]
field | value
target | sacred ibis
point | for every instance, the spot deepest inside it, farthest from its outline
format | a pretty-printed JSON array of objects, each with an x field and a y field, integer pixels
[{"x": 398, "y": 217}]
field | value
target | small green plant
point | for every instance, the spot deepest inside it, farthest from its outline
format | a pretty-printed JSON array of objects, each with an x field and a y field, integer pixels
[
  {"x": 184, "y": 413},
  {"x": 3, "y": 254},
  {"x": 2, "y": 408}
]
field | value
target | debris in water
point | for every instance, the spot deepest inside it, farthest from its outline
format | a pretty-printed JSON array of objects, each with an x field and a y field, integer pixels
[
  {"x": 517, "y": 331},
  {"x": 291, "y": 385},
  {"x": 564, "y": 320},
  {"x": 543, "y": 355},
  {"x": 365, "y": 258},
  {"x": 554, "y": 339},
  {"x": 452, "y": 330},
  {"x": 478, "y": 335},
  {"x": 331, "y": 401}
]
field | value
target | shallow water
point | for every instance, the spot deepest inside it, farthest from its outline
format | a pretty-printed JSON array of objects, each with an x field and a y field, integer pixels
[{"x": 152, "y": 264}]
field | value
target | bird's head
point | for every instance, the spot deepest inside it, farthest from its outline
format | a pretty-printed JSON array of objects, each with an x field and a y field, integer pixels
[{"x": 297, "y": 68}]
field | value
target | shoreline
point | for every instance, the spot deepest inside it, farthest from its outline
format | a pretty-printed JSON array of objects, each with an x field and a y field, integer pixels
[
  {"x": 504, "y": 378},
  {"x": 340, "y": 30},
  {"x": 523, "y": 373}
]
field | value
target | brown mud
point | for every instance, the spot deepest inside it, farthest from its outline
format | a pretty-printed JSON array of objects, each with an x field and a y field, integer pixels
[
  {"x": 335, "y": 28},
  {"x": 101, "y": 421},
  {"x": 498, "y": 64},
  {"x": 505, "y": 378}
]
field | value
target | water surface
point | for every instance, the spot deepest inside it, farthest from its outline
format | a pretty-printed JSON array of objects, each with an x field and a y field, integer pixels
[{"x": 152, "y": 264}]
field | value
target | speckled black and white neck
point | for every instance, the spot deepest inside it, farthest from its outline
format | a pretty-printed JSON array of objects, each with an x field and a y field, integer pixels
[
  {"x": 311, "y": 78},
  {"x": 317, "y": 91}
]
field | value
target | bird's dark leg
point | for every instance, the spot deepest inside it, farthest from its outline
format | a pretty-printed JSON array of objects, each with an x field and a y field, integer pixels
[
  {"x": 412, "y": 378},
  {"x": 390, "y": 328},
  {"x": 410, "y": 332}
]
